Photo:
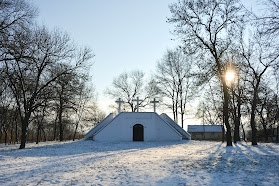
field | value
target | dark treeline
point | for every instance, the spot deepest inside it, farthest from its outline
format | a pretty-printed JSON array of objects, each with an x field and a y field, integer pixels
[{"x": 44, "y": 89}]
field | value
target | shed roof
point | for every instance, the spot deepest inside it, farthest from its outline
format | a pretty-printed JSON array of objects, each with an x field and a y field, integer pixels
[{"x": 205, "y": 128}]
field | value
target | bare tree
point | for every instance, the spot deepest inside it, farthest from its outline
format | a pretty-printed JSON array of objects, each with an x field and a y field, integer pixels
[
  {"x": 259, "y": 55},
  {"x": 15, "y": 15},
  {"x": 129, "y": 86},
  {"x": 87, "y": 113},
  {"x": 237, "y": 102},
  {"x": 31, "y": 62},
  {"x": 81, "y": 103},
  {"x": 267, "y": 110},
  {"x": 34, "y": 57},
  {"x": 270, "y": 19},
  {"x": 174, "y": 78},
  {"x": 238, "y": 90},
  {"x": 208, "y": 27},
  {"x": 71, "y": 96},
  {"x": 210, "y": 108}
]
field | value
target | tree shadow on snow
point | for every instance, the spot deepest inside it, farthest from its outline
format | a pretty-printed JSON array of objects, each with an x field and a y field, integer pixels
[
  {"x": 44, "y": 149},
  {"x": 240, "y": 164},
  {"x": 245, "y": 164}
]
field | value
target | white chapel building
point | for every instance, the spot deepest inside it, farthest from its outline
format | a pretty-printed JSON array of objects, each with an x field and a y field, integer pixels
[{"x": 137, "y": 126}]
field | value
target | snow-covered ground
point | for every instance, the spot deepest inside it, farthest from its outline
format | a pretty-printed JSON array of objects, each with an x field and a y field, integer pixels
[{"x": 139, "y": 163}]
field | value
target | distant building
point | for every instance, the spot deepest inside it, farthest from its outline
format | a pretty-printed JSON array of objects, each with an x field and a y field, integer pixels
[{"x": 206, "y": 132}]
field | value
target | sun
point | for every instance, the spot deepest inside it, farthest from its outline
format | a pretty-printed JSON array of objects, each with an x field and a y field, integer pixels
[{"x": 230, "y": 76}]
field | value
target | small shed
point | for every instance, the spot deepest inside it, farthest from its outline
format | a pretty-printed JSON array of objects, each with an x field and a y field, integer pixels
[{"x": 206, "y": 132}]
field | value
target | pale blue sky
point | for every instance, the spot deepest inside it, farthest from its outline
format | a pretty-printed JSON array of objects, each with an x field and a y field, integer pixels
[{"x": 124, "y": 34}]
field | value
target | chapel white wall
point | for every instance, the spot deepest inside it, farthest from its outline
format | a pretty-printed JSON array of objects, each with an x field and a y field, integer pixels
[{"x": 121, "y": 128}]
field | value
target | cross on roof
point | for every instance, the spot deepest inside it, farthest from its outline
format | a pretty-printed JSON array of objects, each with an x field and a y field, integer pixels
[
  {"x": 119, "y": 101},
  {"x": 154, "y": 103},
  {"x": 137, "y": 100}
]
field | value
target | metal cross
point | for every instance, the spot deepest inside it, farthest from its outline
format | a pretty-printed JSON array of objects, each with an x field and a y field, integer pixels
[
  {"x": 154, "y": 102},
  {"x": 119, "y": 101},
  {"x": 137, "y": 100}
]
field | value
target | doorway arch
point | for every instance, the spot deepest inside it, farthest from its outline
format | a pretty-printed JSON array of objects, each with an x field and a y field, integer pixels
[{"x": 138, "y": 132}]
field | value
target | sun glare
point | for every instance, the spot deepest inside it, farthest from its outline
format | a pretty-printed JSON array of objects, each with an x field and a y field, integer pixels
[{"x": 230, "y": 76}]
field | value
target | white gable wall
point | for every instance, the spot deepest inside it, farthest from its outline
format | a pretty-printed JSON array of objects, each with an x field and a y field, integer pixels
[{"x": 121, "y": 128}]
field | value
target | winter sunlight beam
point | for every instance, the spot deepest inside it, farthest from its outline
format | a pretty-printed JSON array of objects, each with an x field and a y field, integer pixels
[{"x": 230, "y": 76}]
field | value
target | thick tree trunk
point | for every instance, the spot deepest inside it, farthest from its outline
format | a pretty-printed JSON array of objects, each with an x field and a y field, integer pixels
[
  {"x": 0, "y": 134},
  {"x": 173, "y": 111},
  {"x": 182, "y": 118},
  {"x": 236, "y": 136},
  {"x": 6, "y": 136},
  {"x": 223, "y": 133},
  {"x": 60, "y": 111},
  {"x": 75, "y": 132},
  {"x": 176, "y": 111},
  {"x": 252, "y": 120},
  {"x": 182, "y": 112},
  {"x": 226, "y": 114},
  {"x": 277, "y": 136},
  {"x": 16, "y": 133},
  {"x": 11, "y": 133},
  {"x": 54, "y": 129},
  {"x": 226, "y": 100},
  {"x": 237, "y": 121},
  {"x": 60, "y": 125},
  {"x": 38, "y": 134},
  {"x": 24, "y": 126},
  {"x": 253, "y": 127}
]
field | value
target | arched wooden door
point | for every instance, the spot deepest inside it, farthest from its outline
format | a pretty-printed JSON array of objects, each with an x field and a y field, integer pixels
[{"x": 138, "y": 132}]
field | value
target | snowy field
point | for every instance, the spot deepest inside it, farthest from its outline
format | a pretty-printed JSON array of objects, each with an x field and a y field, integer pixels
[{"x": 139, "y": 163}]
